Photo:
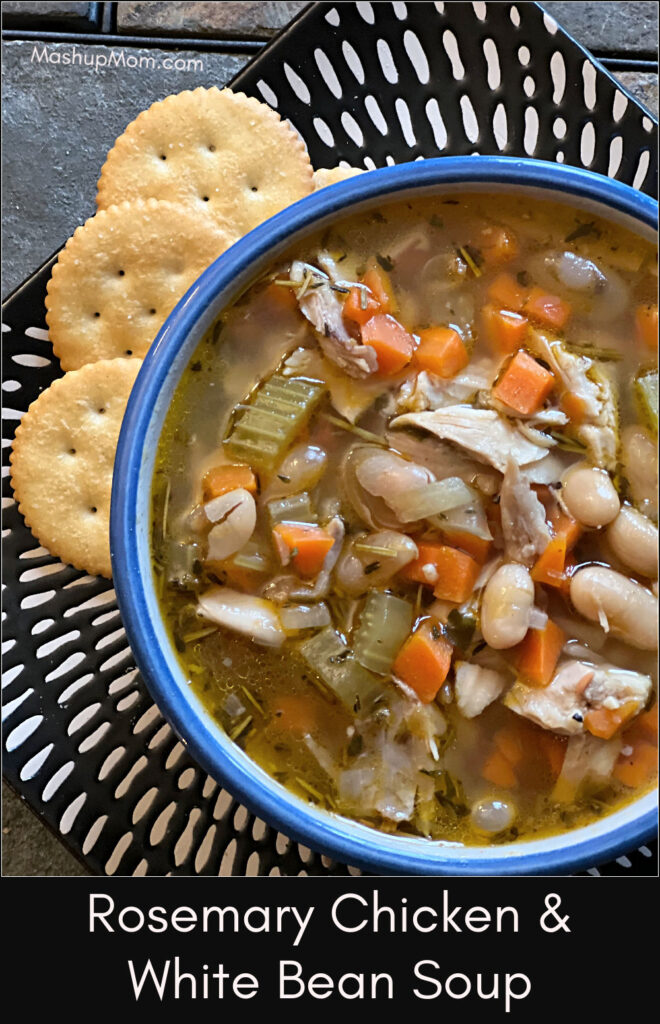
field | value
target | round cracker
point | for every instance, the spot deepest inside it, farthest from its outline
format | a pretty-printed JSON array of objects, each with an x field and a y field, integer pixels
[
  {"x": 331, "y": 175},
  {"x": 62, "y": 460},
  {"x": 221, "y": 152},
  {"x": 121, "y": 274}
]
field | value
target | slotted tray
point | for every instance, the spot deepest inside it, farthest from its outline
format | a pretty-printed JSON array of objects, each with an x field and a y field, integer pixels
[{"x": 369, "y": 84}]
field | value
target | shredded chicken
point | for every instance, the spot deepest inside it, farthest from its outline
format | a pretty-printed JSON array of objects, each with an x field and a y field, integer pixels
[
  {"x": 350, "y": 397},
  {"x": 587, "y": 759},
  {"x": 483, "y": 432},
  {"x": 476, "y": 687},
  {"x": 576, "y": 688},
  {"x": 286, "y": 588},
  {"x": 444, "y": 459},
  {"x": 585, "y": 378},
  {"x": 323, "y": 309},
  {"x": 428, "y": 391},
  {"x": 524, "y": 528}
]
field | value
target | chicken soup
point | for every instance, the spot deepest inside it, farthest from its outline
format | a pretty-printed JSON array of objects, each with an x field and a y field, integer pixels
[{"x": 405, "y": 518}]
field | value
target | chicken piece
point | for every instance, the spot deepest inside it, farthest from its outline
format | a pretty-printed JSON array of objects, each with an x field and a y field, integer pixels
[
  {"x": 350, "y": 397},
  {"x": 587, "y": 759},
  {"x": 483, "y": 432},
  {"x": 576, "y": 688},
  {"x": 524, "y": 528},
  {"x": 476, "y": 687},
  {"x": 323, "y": 309},
  {"x": 286, "y": 588},
  {"x": 444, "y": 459},
  {"x": 428, "y": 391},
  {"x": 582, "y": 376}
]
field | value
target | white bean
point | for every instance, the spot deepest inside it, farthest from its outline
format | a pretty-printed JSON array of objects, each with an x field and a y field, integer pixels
[
  {"x": 492, "y": 816},
  {"x": 234, "y": 515},
  {"x": 634, "y": 540},
  {"x": 589, "y": 495},
  {"x": 640, "y": 468},
  {"x": 507, "y": 602},
  {"x": 623, "y": 607}
]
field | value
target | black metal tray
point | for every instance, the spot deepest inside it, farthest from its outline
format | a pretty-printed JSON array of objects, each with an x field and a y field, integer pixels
[{"x": 366, "y": 83}]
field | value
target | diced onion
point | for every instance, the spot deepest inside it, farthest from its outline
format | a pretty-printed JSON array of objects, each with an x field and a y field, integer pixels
[
  {"x": 304, "y": 616},
  {"x": 430, "y": 499}
]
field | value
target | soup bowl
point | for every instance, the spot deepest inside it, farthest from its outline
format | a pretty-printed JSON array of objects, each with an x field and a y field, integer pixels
[{"x": 329, "y": 833}]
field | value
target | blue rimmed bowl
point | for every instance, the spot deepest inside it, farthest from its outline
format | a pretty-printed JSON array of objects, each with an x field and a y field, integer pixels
[{"x": 157, "y": 381}]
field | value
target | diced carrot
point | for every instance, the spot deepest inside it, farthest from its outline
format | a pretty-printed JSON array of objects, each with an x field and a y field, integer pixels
[
  {"x": 452, "y": 573},
  {"x": 554, "y": 749},
  {"x": 497, "y": 245},
  {"x": 294, "y": 713},
  {"x": 441, "y": 351},
  {"x": 306, "y": 545},
  {"x": 222, "y": 479},
  {"x": 360, "y": 306},
  {"x": 549, "y": 310},
  {"x": 506, "y": 293},
  {"x": 378, "y": 282},
  {"x": 498, "y": 770},
  {"x": 537, "y": 655},
  {"x": 645, "y": 726},
  {"x": 504, "y": 330},
  {"x": 478, "y": 547},
  {"x": 423, "y": 661},
  {"x": 281, "y": 296},
  {"x": 525, "y": 384},
  {"x": 392, "y": 343},
  {"x": 574, "y": 406},
  {"x": 509, "y": 743},
  {"x": 550, "y": 565},
  {"x": 636, "y": 768},
  {"x": 646, "y": 323},
  {"x": 563, "y": 525},
  {"x": 604, "y": 722}
]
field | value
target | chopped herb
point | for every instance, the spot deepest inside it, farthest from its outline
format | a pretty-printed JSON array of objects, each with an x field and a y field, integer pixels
[
  {"x": 199, "y": 635},
  {"x": 374, "y": 549},
  {"x": 378, "y": 217},
  {"x": 339, "y": 288},
  {"x": 284, "y": 479},
  {"x": 436, "y": 632},
  {"x": 450, "y": 202},
  {"x": 252, "y": 699},
  {"x": 368, "y": 569},
  {"x": 294, "y": 552},
  {"x": 366, "y": 435},
  {"x": 460, "y": 629},
  {"x": 240, "y": 728},
  {"x": 436, "y": 222},
  {"x": 310, "y": 789},
  {"x": 582, "y": 231},
  {"x": 523, "y": 278},
  {"x": 567, "y": 444},
  {"x": 355, "y": 745},
  {"x": 466, "y": 254},
  {"x": 385, "y": 262},
  {"x": 196, "y": 366}
]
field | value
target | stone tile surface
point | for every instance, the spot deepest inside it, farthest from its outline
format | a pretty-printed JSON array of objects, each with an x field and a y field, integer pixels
[
  {"x": 60, "y": 117},
  {"x": 614, "y": 28},
  {"x": 257, "y": 20},
  {"x": 28, "y": 847},
  {"x": 64, "y": 15},
  {"x": 643, "y": 86}
]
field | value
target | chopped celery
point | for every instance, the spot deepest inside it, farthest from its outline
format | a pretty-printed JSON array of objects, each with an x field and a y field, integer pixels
[
  {"x": 253, "y": 557},
  {"x": 328, "y": 656},
  {"x": 431, "y": 499},
  {"x": 304, "y": 616},
  {"x": 295, "y": 509},
  {"x": 384, "y": 625},
  {"x": 274, "y": 417},
  {"x": 646, "y": 393}
]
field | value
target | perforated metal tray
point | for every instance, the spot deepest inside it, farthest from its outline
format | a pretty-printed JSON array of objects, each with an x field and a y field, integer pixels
[{"x": 369, "y": 84}]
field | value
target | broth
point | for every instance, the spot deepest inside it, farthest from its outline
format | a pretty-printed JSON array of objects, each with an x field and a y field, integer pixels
[{"x": 333, "y": 597}]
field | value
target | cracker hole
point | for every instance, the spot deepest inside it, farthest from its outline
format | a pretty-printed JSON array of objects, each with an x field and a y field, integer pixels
[
  {"x": 152, "y": 312},
  {"x": 101, "y": 410},
  {"x": 163, "y": 157},
  {"x": 205, "y": 199},
  {"x": 211, "y": 149},
  {"x": 128, "y": 352},
  {"x": 72, "y": 451},
  {"x": 97, "y": 314},
  {"x": 93, "y": 509},
  {"x": 121, "y": 272},
  {"x": 253, "y": 188}
]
